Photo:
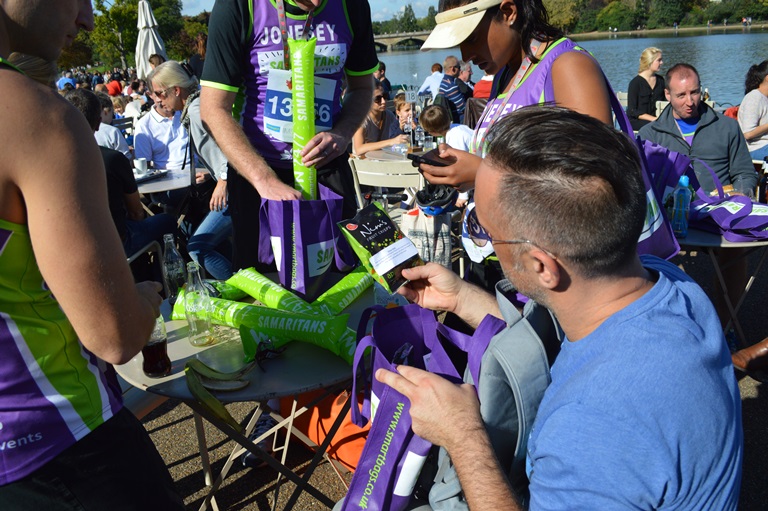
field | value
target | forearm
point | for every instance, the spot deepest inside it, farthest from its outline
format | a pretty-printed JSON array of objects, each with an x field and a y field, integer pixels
[
  {"x": 357, "y": 103},
  {"x": 232, "y": 141},
  {"x": 373, "y": 146},
  {"x": 474, "y": 303},
  {"x": 756, "y": 133},
  {"x": 646, "y": 117},
  {"x": 484, "y": 484}
]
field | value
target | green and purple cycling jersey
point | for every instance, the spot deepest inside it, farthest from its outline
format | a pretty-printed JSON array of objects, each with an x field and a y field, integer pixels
[{"x": 53, "y": 391}]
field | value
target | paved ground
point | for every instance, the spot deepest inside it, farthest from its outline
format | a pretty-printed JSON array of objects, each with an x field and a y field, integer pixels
[{"x": 172, "y": 429}]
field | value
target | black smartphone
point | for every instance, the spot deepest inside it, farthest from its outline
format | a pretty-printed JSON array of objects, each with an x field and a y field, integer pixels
[{"x": 429, "y": 158}]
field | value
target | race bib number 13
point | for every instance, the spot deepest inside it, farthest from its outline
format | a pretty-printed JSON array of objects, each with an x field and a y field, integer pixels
[{"x": 278, "y": 108}]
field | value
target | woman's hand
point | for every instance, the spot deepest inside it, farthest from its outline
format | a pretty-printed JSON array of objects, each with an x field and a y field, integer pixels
[{"x": 460, "y": 175}]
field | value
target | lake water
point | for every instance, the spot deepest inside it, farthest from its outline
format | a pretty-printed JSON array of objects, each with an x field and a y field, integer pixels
[{"x": 722, "y": 59}]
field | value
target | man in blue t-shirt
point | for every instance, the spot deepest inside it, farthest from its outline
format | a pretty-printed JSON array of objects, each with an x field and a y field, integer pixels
[{"x": 643, "y": 410}]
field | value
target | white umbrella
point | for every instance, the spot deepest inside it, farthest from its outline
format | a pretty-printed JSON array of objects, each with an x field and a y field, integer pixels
[{"x": 149, "y": 41}]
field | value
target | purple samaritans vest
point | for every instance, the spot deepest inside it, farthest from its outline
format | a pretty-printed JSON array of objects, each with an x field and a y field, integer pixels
[
  {"x": 266, "y": 114},
  {"x": 534, "y": 89}
]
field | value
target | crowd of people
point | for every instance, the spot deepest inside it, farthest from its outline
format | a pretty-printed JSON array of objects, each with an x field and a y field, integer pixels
[{"x": 643, "y": 410}]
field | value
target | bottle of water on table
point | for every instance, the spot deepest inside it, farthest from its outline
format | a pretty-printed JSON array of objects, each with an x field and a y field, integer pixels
[
  {"x": 682, "y": 205},
  {"x": 198, "y": 307},
  {"x": 418, "y": 138},
  {"x": 173, "y": 268}
]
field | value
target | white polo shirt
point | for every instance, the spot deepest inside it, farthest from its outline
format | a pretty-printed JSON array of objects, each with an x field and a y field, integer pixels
[{"x": 161, "y": 140}]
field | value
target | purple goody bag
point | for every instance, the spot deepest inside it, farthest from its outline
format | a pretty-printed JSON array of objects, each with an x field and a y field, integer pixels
[
  {"x": 302, "y": 238},
  {"x": 393, "y": 455},
  {"x": 657, "y": 237}
]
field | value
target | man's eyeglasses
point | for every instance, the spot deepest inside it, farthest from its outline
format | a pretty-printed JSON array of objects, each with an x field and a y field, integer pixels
[
  {"x": 480, "y": 237},
  {"x": 162, "y": 93},
  {"x": 376, "y": 99}
]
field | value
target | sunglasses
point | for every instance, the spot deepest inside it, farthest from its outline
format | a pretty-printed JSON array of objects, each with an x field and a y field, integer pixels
[
  {"x": 376, "y": 99},
  {"x": 162, "y": 93}
]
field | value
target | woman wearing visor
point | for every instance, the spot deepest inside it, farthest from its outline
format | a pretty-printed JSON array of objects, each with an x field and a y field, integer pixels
[{"x": 533, "y": 63}]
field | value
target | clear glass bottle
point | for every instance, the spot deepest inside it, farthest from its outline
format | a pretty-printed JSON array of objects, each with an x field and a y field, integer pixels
[
  {"x": 198, "y": 307},
  {"x": 173, "y": 268}
]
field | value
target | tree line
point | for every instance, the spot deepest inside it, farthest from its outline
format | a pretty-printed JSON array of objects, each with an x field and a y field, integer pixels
[
  {"x": 113, "y": 40},
  {"x": 578, "y": 16}
]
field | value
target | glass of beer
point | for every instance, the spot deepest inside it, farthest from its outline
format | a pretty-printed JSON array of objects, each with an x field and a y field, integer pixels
[{"x": 156, "y": 361}]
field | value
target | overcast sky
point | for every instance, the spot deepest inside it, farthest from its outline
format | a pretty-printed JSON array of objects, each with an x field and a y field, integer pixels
[{"x": 380, "y": 9}]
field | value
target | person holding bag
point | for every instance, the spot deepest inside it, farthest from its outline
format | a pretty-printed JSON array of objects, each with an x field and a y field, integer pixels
[{"x": 643, "y": 378}]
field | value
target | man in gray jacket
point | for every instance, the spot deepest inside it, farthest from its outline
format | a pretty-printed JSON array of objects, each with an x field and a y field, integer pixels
[{"x": 689, "y": 126}]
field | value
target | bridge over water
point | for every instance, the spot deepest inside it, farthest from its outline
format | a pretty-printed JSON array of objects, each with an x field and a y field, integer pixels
[{"x": 405, "y": 40}]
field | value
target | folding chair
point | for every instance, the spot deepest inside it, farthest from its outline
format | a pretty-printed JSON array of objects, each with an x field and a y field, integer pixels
[
  {"x": 399, "y": 174},
  {"x": 623, "y": 98}
]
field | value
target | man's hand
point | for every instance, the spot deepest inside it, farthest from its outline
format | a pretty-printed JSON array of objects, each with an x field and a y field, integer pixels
[
  {"x": 149, "y": 292},
  {"x": 460, "y": 175},
  {"x": 432, "y": 286},
  {"x": 219, "y": 196},
  {"x": 442, "y": 412},
  {"x": 323, "y": 148},
  {"x": 201, "y": 177},
  {"x": 273, "y": 189},
  {"x": 435, "y": 287}
]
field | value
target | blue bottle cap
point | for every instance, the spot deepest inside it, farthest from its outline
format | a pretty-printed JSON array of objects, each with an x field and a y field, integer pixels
[{"x": 684, "y": 181}]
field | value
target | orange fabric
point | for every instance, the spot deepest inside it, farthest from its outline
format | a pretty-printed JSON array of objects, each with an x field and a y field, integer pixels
[
  {"x": 347, "y": 445},
  {"x": 732, "y": 112}
]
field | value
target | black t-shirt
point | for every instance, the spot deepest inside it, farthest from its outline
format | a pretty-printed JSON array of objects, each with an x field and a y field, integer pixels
[
  {"x": 120, "y": 182},
  {"x": 230, "y": 29}
]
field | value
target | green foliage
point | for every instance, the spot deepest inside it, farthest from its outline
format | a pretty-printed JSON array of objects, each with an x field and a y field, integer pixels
[
  {"x": 665, "y": 13},
  {"x": 407, "y": 20},
  {"x": 428, "y": 21},
  {"x": 616, "y": 15},
  {"x": 562, "y": 13},
  {"x": 78, "y": 54},
  {"x": 114, "y": 36},
  {"x": 587, "y": 21}
]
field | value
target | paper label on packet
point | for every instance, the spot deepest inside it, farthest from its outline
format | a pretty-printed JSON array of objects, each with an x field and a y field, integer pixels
[{"x": 396, "y": 253}]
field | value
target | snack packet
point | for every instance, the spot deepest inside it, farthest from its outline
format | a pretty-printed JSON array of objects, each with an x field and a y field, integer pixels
[{"x": 380, "y": 245}]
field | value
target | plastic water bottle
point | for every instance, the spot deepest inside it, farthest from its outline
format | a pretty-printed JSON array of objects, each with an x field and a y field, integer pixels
[
  {"x": 173, "y": 268},
  {"x": 682, "y": 205},
  {"x": 419, "y": 137},
  {"x": 407, "y": 131},
  {"x": 197, "y": 307}
]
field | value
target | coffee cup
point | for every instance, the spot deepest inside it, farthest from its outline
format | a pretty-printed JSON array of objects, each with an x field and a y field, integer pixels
[{"x": 141, "y": 165}]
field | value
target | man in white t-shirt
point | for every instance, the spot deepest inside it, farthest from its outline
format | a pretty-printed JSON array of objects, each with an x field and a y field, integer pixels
[{"x": 160, "y": 138}]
